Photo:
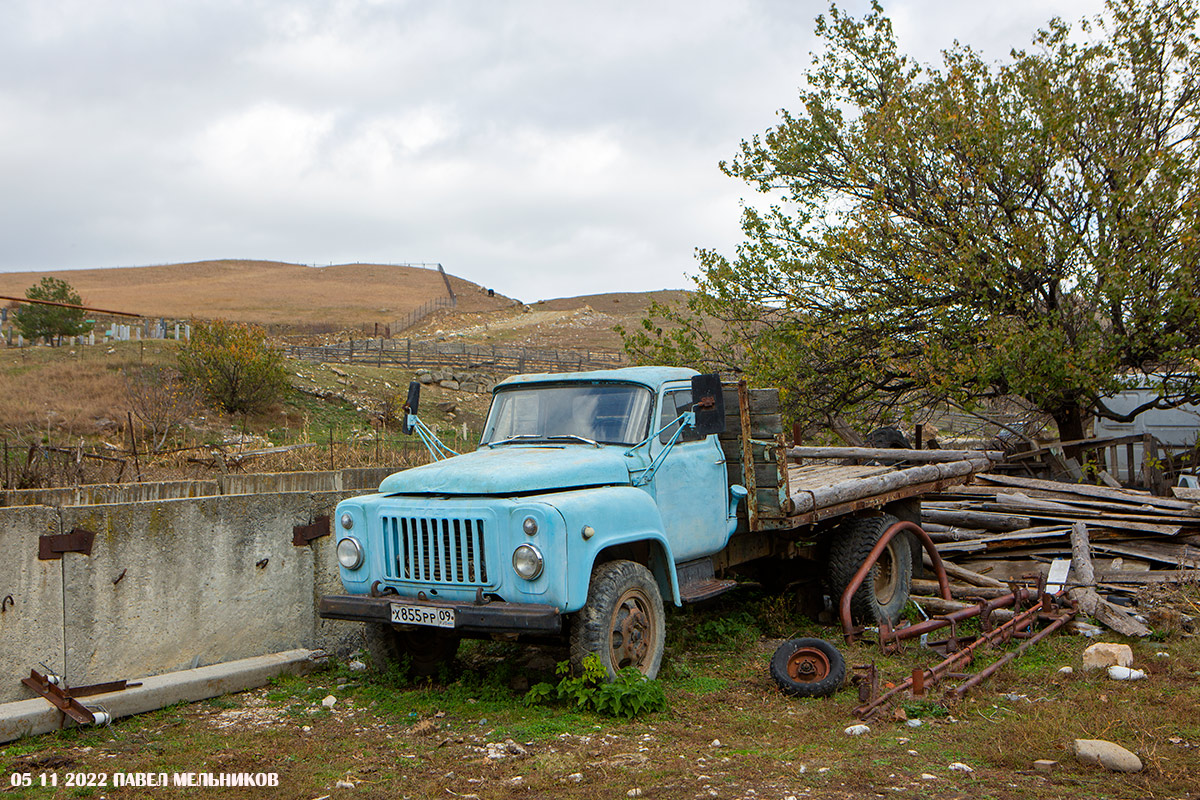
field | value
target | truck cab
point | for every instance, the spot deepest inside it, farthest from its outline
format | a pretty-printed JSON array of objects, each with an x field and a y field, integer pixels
[{"x": 588, "y": 495}]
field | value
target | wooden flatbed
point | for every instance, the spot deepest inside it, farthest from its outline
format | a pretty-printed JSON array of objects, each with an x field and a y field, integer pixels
[{"x": 802, "y": 486}]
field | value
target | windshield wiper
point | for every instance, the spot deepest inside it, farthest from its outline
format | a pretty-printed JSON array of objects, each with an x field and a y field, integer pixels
[
  {"x": 519, "y": 437},
  {"x": 574, "y": 436}
]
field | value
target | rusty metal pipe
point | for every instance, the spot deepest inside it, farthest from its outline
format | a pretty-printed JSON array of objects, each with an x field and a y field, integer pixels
[
  {"x": 938, "y": 671},
  {"x": 991, "y": 669},
  {"x": 980, "y": 609},
  {"x": 938, "y": 568}
]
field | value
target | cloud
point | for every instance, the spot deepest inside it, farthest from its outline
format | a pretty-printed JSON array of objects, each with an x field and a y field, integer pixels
[{"x": 540, "y": 148}]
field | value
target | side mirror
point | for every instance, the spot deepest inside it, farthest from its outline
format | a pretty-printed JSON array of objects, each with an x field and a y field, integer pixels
[
  {"x": 410, "y": 406},
  {"x": 708, "y": 404}
]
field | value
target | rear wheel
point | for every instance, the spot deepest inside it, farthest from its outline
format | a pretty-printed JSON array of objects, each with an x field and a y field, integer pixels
[
  {"x": 884, "y": 593},
  {"x": 623, "y": 622},
  {"x": 426, "y": 649},
  {"x": 808, "y": 668}
]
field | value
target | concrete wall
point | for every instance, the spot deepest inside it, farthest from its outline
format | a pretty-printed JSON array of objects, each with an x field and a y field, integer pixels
[
  {"x": 31, "y": 627},
  {"x": 350, "y": 479},
  {"x": 169, "y": 584}
]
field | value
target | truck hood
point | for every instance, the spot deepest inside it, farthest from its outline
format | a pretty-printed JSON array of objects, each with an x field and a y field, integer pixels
[{"x": 515, "y": 469}]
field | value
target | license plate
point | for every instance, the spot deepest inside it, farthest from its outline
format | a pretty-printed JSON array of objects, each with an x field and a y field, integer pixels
[{"x": 423, "y": 615}]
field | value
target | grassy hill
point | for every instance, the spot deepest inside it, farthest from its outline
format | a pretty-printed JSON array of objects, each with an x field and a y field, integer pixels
[{"x": 265, "y": 292}]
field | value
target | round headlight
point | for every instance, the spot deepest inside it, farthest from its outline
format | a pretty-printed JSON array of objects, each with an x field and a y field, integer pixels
[
  {"x": 349, "y": 553},
  {"x": 347, "y": 521},
  {"x": 527, "y": 562},
  {"x": 529, "y": 526}
]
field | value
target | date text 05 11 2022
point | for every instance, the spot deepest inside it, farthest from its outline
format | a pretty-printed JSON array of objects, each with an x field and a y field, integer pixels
[{"x": 143, "y": 779}]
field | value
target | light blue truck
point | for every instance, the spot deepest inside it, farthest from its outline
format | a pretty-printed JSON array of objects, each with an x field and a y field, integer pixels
[{"x": 594, "y": 496}]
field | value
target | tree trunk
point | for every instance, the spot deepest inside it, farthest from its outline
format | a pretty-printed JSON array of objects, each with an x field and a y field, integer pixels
[{"x": 1070, "y": 427}]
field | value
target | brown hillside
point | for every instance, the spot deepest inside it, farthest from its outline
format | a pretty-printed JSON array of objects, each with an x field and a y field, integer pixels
[
  {"x": 576, "y": 323},
  {"x": 264, "y": 292}
]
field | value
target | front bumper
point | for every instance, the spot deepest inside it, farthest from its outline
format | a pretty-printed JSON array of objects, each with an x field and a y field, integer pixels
[{"x": 493, "y": 617}]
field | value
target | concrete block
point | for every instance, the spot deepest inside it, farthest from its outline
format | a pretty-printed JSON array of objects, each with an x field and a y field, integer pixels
[
  {"x": 331, "y": 635},
  {"x": 282, "y": 482},
  {"x": 185, "y": 583},
  {"x": 31, "y": 627},
  {"x": 364, "y": 479},
  {"x": 1103, "y": 655},
  {"x": 37, "y": 716}
]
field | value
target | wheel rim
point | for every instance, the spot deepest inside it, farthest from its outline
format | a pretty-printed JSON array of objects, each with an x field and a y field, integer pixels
[
  {"x": 808, "y": 665},
  {"x": 886, "y": 576},
  {"x": 632, "y": 631}
]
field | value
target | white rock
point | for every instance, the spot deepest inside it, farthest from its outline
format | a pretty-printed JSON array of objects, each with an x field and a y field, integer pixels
[
  {"x": 958, "y": 766},
  {"x": 344, "y": 785},
  {"x": 1107, "y": 654},
  {"x": 913, "y": 723},
  {"x": 1109, "y": 755},
  {"x": 1162, "y": 654},
  {"x": 715, "y": 743},
  {"x": 821, "y": 770},
  {"x": 912, "y": 752},
  {"x": 634, "y": 792},
  {"x": 575, "y": 777},
  {"x": 925, "y": 776},
  {"x": 857, "y": 730},
  {"x": 1125, "y": 674},
  {"x": 1066, "y": 671},
  {"x": 356, "y": 666},
  {"x": 329, "y": 702}
]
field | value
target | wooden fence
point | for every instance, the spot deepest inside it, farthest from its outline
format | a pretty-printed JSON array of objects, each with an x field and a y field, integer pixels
[{"x": 432, "y": 355}]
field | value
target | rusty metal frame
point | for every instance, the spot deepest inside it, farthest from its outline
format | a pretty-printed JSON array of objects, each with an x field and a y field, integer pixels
[
  {"x": 932, "y": 675},
  {"x": 856, "y": 582}
]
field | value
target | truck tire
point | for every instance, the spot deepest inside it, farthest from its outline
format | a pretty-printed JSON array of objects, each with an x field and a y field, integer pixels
[
  {"x": 426, "y": 649},
  {"x": 623, "y": 622},
  {"x": 808, "y": 668},
  {"x": 884, "y": 593}
]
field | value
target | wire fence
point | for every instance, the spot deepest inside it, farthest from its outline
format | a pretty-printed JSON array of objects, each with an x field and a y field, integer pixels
[{"x": 417, "y": 354}]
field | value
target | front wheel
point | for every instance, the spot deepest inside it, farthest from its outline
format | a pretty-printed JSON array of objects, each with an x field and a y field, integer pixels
[
  {"x": 623, "y": 622},
  {"x": 426, "y": 649}
]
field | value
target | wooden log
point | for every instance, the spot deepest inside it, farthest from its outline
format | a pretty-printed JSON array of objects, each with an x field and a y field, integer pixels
[
  {"x": 1086, "y": 598},
  {"x": 879, "y": 453},
  {"x": 805, "y": 500},
  {"x": 930, "y": 588},
  {"x": 975, "y": 519},
  {"x": 964, "y": 574},
  {"x": 1148, "y": 576},
  {"x": 1122, "y": 495}
]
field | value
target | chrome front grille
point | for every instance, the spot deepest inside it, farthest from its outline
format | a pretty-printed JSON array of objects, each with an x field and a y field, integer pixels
[{"x": 435, "y": 550}]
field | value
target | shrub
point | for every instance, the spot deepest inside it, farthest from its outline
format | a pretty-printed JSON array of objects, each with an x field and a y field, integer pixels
[
  {"x": 233, "y": 366},
  {"x": 627, "y": 696},
  {"x": 160, "y": 400}
]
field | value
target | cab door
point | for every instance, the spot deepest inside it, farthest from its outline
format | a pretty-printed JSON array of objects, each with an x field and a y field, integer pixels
[{"x": 690, "y": 487}]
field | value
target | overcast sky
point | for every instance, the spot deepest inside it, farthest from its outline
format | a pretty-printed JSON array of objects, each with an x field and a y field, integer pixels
[{"x": 544, "y": 149}]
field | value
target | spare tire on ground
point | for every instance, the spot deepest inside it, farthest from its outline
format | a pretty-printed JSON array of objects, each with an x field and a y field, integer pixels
[{"x": 808, "y": 668}]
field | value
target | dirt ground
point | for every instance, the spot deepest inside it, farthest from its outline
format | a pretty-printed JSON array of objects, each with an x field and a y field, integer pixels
[{"x": 728, "y": 733}]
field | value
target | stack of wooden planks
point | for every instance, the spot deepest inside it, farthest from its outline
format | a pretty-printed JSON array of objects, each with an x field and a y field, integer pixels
[{"x": 1008, "y": 527}]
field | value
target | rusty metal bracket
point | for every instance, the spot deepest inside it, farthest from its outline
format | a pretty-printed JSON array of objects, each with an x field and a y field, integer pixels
[
  {"x": 64, "y": 699},
  {"x": 848, "y": 628},
  {"x": 78, "y": 540},
  {"x": 303, "y": 535}
]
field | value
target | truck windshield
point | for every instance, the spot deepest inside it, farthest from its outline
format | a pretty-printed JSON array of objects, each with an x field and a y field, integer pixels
[{"x": 607, "y": 413}]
